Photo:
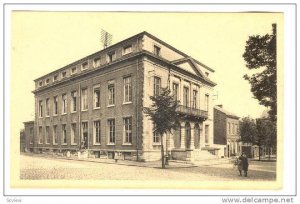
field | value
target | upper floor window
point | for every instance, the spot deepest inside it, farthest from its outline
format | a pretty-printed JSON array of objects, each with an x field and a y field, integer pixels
[
  {"x": 111, "y": 56},
  {"x": 176, "y": 91},
  {"x": 127, "y": 89},
  {"x": 186, "y": 96},
  {"x": 127, "y": 49},
  {"x": 41, "y": 108},
  {"x": 47, "y": 107},
  {"x": 97, "y": 96},
  {"x": 156, "y": 50},
  {"x": 206, "y": 74},
  {"x": 74, "y": 101},
  {"x": 84, "y": 102},
  {"x": 157, "y": 86},
  {"x": 96, "y": 62},
  {"x": 55, "y": 77},
  {"x": 47, "y": 81},
  {"x": 206, "y": 102},
  {"x": 111, "y": 93},
  {"x": 64, "y": 103},
  {"x": 195, "y": 95},
  {"x": 40, "y": 83},
  {"x": 55, "y": 105},
  {"x": 63, "y": 74},
  {"x": 84, "y": 66},
  {"x": 74, "y": 70}
]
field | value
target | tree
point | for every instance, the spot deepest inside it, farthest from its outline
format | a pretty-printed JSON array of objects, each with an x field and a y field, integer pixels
[
  {"x": 260, "y": 53},
  {"x": 248, "y": 130},
  {"x": 163, "y": 114},
  {"x": 267, "y": 134}
]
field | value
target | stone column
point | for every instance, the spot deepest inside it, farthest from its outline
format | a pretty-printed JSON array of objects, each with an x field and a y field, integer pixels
[
  {"x": 182, "y": 141},
  {"x": 192, "y": 145}
]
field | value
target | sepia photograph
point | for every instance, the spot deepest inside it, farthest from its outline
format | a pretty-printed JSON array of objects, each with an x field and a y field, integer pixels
[{"x": 146, "y": 100}]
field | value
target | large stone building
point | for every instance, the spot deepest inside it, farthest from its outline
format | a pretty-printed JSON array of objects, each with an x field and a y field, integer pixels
[
  {"x": 226, "y": 132},
  {"x": 96, "y": 102}
]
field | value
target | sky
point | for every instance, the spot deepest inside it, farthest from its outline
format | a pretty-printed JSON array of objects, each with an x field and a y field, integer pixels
[{"x": 42, "y": 42}]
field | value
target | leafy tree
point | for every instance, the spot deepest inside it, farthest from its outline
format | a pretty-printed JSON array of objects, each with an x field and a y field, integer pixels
[
  {"x": 248, "y": 130},
  {"x": 163, "y": 114},
  {"x": 267, "y": 134},
  {"x": 260, "y": 53}
]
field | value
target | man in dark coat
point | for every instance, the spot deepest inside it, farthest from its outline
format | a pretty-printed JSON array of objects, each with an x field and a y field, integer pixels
[{"x": 244, "y": 163}]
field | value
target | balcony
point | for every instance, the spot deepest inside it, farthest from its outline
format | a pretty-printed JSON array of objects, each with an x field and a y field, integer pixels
[{"x": 192, "y": 112}]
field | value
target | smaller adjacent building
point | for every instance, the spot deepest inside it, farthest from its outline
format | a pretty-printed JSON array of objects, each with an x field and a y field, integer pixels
[
  {"x": 28, "y": 137},
  {"x": 226, "y": 132}
]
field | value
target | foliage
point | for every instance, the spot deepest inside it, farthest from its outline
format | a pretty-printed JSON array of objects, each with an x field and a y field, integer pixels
[
  {"x": 260, "y": 53},
  {"x": 267, "y": 133},
  {"x": 248, "y": 131},
  {"x": 163, "y": 114}
]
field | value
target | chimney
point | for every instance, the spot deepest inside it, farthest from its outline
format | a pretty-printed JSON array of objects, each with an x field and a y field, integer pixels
[{"x": 220, "y": 105}]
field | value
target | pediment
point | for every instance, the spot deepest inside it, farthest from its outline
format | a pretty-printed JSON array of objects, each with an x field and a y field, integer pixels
[{"x": 188, "y": 64}]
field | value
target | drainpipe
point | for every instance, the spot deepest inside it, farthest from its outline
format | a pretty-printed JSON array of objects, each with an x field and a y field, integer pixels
[
  {"x": 136, "y": 104},
  {"x": 79, "y": 114}
]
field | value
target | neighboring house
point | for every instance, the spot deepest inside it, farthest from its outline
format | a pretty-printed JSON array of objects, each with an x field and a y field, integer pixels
[
  {"x": 22, "y": 141},
  {"x": 96, "y": 102},
  {"x": 28, "y": 135},
  {"x": 226, "y": 132}
]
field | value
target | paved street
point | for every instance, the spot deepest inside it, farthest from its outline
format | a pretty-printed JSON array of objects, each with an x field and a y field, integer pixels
[{"x": 39, "y": 167}]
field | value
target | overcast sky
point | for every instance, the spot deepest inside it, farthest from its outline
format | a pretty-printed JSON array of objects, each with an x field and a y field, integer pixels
[{"x": 45, "y": 41}]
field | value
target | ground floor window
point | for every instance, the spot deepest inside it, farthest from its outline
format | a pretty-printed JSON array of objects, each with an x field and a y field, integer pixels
[
  {"x": 97, "y": 132},
  {"x": 111, "y": 131},
  {"x": 127, "y": 123},
  {"x": 64, "y": 134},
  {"x": 206, "y": 133},
  {"x": 73, "y": 134}
]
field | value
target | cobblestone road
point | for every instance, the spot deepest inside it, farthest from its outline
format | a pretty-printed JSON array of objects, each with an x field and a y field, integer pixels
[{"x": 36, "y": 167}]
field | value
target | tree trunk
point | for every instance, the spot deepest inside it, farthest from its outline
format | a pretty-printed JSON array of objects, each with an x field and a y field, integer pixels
[
  {"x": 162, "y": 153},
  {"x": 269, "y": 150}
]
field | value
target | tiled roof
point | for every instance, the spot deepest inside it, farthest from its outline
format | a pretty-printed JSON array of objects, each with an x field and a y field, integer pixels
[{"x": 226, "y": 112}]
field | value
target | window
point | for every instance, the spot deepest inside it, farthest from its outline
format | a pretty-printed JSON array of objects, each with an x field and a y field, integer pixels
[
  {"x": 156, "y": 137},
  {"x": 64, "y": 134},
  {"x": 206, "y": 102},
  {"x": 111, "y": 131},
  {"x": 47, "y": 107},
  {"x": 156, "y": 50},
  {"x": 157, "y": 85},
  {"x": 84, "y": 66},
  {"x": 31, "y": 136},
  {"x": 47, "y": 135},
  {"x": 127, "y": 123},
  {"x": 63, "y": 74},
  {"x": 55, "y": 139},
  {"x": 73, "y": 134},
  {"x": 96, "y": 62},
  {"x": 206, "y": 133},
  {"x": 73, "y": 101},
  {"x": 111, "y": 56},
  {"x": 127, "y": 49},
  {"x": 84, "y": 103},
  {"x": 73, "y": 70},
  {"x": 97, "y": 96},
  {"x": 85, "y": 132},
  {"x": 41, "y": 108},
  {"x": 55, "y": 77},
  {"x": 47, "y": 81},
  {"x": 176, "y": 91},
  {"x": 195, "y": 93},
  {"x": 111, "y": 93},
  {"x": 97, "y": 132},
  {"x": 40, "y": 83},
  {"x": 206, "y": 73},
  {"x": 40, "y": 135},
  {"x": 228, "y": 128},
  {"x": 127, "y": 89},
  {"x": 186, "y": 96},
  {"x": 55, "y": 105},
  {"x": 64, "y": 104}
]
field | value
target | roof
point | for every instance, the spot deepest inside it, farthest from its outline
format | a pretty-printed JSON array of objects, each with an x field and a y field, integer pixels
[
  {"x": 121, "y": 42},
  {"x": 229, "y": 114}
]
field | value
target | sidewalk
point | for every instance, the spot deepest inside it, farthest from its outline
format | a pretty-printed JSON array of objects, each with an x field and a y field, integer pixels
[{"x": 153, "y": 164}]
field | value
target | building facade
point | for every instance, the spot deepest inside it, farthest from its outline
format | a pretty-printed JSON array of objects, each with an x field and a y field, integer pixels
[
  {"x": 226, "y": 132},
  {"x": 96, "y": 103},
  {"x": 28, "y": 136}
]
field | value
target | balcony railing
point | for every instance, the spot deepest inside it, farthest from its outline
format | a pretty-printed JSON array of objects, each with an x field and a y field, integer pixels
[{"x": 192, "y": 111}]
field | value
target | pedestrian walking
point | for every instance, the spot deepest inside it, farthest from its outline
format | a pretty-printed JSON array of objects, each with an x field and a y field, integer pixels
[{"x": 243, "y": 166}]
